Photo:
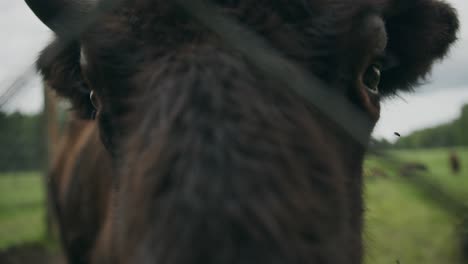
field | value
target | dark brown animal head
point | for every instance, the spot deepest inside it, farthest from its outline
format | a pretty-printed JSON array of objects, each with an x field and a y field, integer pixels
[{"x": 217, "y": 162}]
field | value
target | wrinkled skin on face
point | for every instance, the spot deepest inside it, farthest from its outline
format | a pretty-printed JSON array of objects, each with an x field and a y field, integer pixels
[{"x": 216, "y": 162}]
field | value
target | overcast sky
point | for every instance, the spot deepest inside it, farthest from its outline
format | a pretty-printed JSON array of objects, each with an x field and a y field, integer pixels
[{"x": 22, "y": 36}]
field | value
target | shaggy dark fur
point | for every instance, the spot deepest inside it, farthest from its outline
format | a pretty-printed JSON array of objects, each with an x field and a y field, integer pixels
[
  {"x": 79, "y": 184},
  {"x": 216, "y": 162}
]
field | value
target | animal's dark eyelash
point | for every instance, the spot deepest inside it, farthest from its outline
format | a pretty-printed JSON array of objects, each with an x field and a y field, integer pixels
[{"x": 387, "y": 61}]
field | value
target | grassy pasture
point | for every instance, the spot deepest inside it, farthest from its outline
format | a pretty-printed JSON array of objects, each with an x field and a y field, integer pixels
[
  {"x": 402, "y": 225},
  {"x": 437, "y": 161},
  {"x": 21, "y": 209},
  {"x": 401, "y": 222}
]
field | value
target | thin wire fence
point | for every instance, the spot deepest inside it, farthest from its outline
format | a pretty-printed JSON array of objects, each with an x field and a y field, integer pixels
[{"x": 17, "y": 85}]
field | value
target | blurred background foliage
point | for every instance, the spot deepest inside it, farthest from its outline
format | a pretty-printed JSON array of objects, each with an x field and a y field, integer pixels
[
  {"x": 22, "y": 142},
  {"x": 445, "y": 135}
]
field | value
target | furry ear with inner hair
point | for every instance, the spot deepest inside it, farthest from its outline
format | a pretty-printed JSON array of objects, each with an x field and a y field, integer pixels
[{"x": 419, "y": 32}]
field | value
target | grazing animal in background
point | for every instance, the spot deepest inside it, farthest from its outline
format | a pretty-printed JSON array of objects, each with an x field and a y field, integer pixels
[
  {"x": 376, "y": 173},
  {"x": 79, "y": 185},
  {"x": 411, "y": 168},
  {"x": 215, "y": 161},
  {"x": 454, "y": 162}
]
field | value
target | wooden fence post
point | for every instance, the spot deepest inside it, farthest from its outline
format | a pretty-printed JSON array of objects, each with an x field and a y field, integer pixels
[{"x": 52, "y": 137}]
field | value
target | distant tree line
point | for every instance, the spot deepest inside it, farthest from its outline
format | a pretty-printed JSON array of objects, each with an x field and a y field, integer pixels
[
  {"x": 447, "y": 135},
  {"x": 22, "y": 142}
]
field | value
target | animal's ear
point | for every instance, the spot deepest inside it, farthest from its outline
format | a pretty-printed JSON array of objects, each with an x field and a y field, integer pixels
[
  {"x": 59, "y": 64},
  {"x": 420, "y": 32}
]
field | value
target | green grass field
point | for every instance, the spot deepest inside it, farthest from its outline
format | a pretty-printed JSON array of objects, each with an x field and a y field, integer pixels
[
  {"x": 439, "y": 170},
  {"x": 21, "y": 209},
  {"x": 401, "y": 223}
]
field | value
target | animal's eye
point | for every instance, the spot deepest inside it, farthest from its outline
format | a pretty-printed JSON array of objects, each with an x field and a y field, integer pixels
[
  {"x": 371, "y": 77},
  {"x": 94, "y": 100}
]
